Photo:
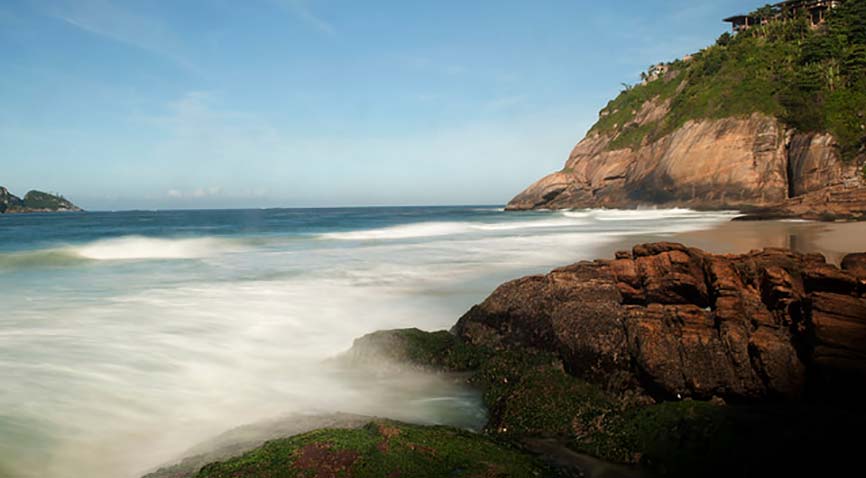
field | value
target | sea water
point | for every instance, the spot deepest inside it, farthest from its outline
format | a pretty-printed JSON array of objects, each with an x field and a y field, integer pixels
[{"x": 128, "y": 337}]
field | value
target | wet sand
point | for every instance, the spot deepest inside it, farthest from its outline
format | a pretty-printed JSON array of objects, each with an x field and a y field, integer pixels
[{"x": 833, "y": 240}]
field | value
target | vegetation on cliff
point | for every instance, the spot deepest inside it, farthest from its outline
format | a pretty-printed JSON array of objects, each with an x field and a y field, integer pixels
[{"x": 812, "y": 79}]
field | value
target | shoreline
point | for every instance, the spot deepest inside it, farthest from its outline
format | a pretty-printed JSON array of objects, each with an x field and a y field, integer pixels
[{"x": 831, "y": 239}]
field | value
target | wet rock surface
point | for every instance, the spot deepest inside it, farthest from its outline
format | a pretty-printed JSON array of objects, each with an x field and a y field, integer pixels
[{"x": 678, "y": 322}]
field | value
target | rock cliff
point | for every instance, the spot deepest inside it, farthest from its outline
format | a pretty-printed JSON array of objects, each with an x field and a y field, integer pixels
[
  {"x": 738, "y": 162},
  {"x": 678, "y": 322}
]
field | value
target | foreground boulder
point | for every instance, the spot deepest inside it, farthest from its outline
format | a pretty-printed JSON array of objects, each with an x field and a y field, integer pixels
[{"x": 678, "y": 322}]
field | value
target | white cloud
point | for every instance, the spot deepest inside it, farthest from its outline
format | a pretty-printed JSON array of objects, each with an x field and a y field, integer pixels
[
  {"x": 106, "y": 18},
  {"x": 197, "y": 193}
]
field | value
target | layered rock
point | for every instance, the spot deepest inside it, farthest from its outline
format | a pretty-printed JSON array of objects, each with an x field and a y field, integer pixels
[
  {"x": 833, "y": 203},
  {"x": 736, "y": 162},
  {"x": 678, "y": 322}
]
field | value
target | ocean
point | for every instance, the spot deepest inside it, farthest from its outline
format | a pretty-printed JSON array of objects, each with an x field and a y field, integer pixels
[{"x": 128, "y": 337}]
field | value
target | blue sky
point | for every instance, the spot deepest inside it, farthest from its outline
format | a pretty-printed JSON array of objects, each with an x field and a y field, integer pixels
[{"x": 258, "y": 103}]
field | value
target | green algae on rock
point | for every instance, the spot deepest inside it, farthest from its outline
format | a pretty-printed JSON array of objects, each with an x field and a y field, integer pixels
[
  {"x": 426, "y": 350},
  {"x": 382, "y": 449}
]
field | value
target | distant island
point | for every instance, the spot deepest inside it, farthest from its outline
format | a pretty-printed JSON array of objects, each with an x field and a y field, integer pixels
[
  {"x": 34, "y": 201},
  {"x": 770, "y": 117}
]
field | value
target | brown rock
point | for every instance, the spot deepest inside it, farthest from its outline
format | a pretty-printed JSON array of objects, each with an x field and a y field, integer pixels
[
  {"x": 684, "y": 323},
  {"x": 710, "y": 163},
  {"x": 813, "y": 163},
  {"x": 748, "y": 163},
  {"x": 855, "y": 264}
]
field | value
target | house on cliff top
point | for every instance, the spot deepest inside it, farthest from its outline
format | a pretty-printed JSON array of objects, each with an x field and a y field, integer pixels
[{"x": 814, "y": 10}]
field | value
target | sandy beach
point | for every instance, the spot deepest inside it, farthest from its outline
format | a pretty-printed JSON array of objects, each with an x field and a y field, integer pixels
[{"x": 833, "y": 240}]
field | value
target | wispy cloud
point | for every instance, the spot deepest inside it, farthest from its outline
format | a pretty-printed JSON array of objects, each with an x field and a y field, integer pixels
[
  {"x": 110, "y": 20},
  {"x": 302, "y": 10},
  {"x": 197, "y": 193}
]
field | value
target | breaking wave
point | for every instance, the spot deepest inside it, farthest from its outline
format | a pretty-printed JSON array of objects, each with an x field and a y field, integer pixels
[
  {"x": 551, "y": 220},
  {"x": 646, "y": 214},
  {"x": 140, "y": 248},
  {"x": 126, "y": 248},
  {"x": 407, "y": 231}
]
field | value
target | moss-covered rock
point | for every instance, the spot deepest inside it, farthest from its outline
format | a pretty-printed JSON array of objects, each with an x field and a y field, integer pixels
[
  {"x": 530, "y": 396},
  {"x": 382, "y": 449},
  {"x": 529, "y": 393},
  {"x": 439, "y": 350}
]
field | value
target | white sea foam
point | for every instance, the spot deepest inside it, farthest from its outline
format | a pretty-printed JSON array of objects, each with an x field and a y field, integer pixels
[
  {"x": 549, "y": 220},
  {"x": 141, "y": 248},
  {"x": 435, "y": 229},
  {"x": 406, "y": 231},
  {"x": 648, "y": 214},
  {"x": 536, "y": 224}
]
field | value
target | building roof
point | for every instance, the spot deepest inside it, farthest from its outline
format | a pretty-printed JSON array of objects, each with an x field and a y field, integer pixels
[{"x": 736, "y": 17}]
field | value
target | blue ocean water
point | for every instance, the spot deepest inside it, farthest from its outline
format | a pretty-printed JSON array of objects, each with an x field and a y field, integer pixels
[{"x": 127, "y": 337}]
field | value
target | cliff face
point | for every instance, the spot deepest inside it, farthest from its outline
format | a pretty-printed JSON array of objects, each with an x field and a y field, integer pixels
[{"x": 735, "y": 162}]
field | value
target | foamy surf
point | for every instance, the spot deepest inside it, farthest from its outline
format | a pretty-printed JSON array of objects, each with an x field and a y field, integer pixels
[
  {"x": 126, "y": 248},
  {"x": 436, "y": 229},
  {"x": 407, "y": 231},
  {"x": 682, "y": 219},
  {"x": 144, "y": 344},
  {"x": 648, "y": 214},
  {"x": 142, "y": 248}
]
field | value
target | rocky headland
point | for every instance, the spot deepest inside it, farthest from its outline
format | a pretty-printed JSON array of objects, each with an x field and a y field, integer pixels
[
  {"x": 665, "y": 360},
  {"x": 765, "y": 121},
  {"x": 753, "y": 163},
  {"x": 34, "y": 201}
]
